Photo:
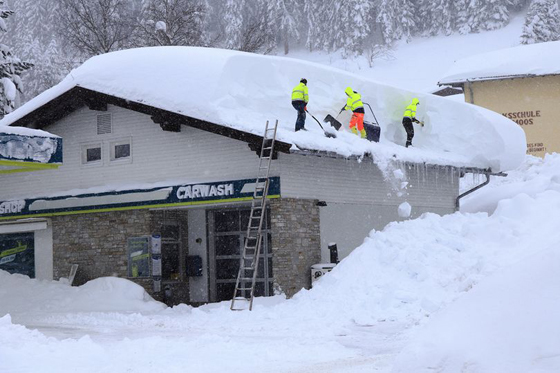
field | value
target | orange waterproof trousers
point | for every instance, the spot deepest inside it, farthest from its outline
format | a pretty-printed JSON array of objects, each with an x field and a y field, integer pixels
[{"x": 357, "y": 120}]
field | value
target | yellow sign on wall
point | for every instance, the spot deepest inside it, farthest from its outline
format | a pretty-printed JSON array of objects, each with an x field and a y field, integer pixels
[{"x": 530, "y": 102}]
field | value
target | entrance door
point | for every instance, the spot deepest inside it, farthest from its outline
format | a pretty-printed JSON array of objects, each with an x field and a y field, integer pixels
[{"x": 227, "y": 230}]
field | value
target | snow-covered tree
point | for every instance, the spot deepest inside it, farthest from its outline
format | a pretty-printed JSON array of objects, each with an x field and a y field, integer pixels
[
  {"x": 284, "y": 15},
  {"x": 441, "y": 17},
  {"x": 316, "y": 24},
  {"x": 11, "y": 68},
  {"x": 171, "y": 22},
  {"x": 496, "y": 14},
  {"x": 397, "y": 19},
  {"x": 233, "y": 21},
  {"x": 541, "y": 23}
]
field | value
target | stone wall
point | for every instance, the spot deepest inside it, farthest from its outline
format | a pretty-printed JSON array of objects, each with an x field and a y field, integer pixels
[
  {"x": 296, "y": 242},
  {"x": 98, "y": 244}
]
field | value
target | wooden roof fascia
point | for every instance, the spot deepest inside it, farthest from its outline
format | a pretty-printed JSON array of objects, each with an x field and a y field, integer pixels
[{"x": 78, "y": 97}]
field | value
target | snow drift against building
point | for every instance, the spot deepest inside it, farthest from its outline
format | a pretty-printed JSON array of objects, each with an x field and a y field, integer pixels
[
  {"x": 243, "y": 91},
  {"x": 535, "y": 59}
]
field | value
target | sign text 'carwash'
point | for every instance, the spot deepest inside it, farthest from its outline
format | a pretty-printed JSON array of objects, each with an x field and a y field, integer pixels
[{"x": 205, "y": 190}]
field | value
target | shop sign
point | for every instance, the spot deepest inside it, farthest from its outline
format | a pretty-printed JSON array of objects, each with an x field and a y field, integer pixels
[{"x": 11, "y": 207}]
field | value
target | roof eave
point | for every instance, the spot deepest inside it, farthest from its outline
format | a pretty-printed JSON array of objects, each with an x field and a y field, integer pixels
[
  {"x": 461, "y": 83},
  {"x": 77, "y": 97}
]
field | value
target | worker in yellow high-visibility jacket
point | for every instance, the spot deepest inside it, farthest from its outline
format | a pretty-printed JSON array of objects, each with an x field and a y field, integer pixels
[
  {"x": 300, "y": 98},
  {"x": 354, "y": 103},
  {"x": 409, "y": 116}
]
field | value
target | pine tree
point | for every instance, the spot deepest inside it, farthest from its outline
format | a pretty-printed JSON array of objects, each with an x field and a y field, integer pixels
[
  {"x": 397, "y": 19},
  {"x": 285, "y": 21},
  {"x": 497, "y": 14},
  {"x": 462, "y": 16},
  {"x": 541, "y": 22},
  {"x": 11, "y": 68},
  {"x": 233, "y": 21},
  {"x": 442, "y": 16},
  {"x": 386, "y": 17}
]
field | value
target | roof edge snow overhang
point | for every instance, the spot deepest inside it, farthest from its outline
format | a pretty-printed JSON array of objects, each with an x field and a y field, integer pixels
[
  {"x": 462, "y": 82},
  {"x": 77, "y": 97},
  {"x": 463, "y": 169}
]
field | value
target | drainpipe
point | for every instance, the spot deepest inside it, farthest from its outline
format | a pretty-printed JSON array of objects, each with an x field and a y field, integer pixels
[
  {"x": 487, "y": 173},
  {"x": 468, "y": 85}
]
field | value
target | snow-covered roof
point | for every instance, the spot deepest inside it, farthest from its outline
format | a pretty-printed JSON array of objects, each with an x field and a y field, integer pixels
[
  {"x": 243, "y": 90},
  {"x": 523, "y": 60}
]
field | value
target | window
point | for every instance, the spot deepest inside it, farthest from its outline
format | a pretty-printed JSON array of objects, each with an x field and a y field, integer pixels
[
  {"x": 91, "y": 153},
  {"x": 121, "y": 150}
]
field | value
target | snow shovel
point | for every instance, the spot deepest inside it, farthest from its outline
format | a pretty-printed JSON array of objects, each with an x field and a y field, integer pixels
[
  {"x": 330, "y": 135},
  {"x": 333, "y": 121}
]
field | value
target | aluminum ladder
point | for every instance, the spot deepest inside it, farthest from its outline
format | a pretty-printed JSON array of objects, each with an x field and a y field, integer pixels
[{"x": 248, "y": 266}]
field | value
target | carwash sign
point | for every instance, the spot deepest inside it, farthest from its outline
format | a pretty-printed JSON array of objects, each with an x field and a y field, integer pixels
[
  {"x": 169, "y": 196},
  {"x": 191, "y": 192}
]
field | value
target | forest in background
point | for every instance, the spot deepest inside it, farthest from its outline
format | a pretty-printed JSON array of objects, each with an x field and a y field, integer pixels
[{"x": 44, "y": 39}]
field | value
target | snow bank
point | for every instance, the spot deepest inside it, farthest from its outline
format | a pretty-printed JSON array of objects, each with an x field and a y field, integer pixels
[
  {"x": 536, "y": 59},
  {"x": 243, "y": 91},
  {"x": 532, "y": 177},
  {"x": 21, "y": 295},
  {"x": 508, "y": 323}
]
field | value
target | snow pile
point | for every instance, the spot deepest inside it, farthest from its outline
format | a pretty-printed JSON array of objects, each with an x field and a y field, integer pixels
[
  {"x": 243, "y": 91},
  {"x": 508, "y": 323},
  {"x": 534, "y": 176},
  {"x": 25, "y": 297},
  {"x": 533, "y": 59}
]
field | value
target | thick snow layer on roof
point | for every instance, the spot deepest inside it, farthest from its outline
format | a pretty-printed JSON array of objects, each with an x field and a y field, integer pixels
[
  {"x": 533, "y": 59},
  {"x": 22, "y": 131},
  {"x": 26, "y": 144},
  {"x": 243, "y": 91}
]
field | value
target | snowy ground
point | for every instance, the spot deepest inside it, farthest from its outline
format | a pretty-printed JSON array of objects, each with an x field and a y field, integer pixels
[
  {"x": 463, "y": 292},
  {"x": 468, "y": 292}
]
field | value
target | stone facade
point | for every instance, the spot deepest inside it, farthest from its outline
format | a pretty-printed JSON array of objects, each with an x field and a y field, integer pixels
[
  {"x": 296, "y": 242},
  {"x": 98, "y": 244}
]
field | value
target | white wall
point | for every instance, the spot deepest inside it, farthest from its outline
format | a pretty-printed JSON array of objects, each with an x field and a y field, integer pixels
[
  {"x": 197, "y": 231},
  {"x": 44, "y": 253},
  {"x": 348, "y": 225},
  {"x": 350, "y": 181},
  {"x": 157, "y": 155}
]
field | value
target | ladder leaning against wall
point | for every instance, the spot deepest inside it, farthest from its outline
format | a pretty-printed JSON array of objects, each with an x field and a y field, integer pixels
[{"x": 246, "y": 278}]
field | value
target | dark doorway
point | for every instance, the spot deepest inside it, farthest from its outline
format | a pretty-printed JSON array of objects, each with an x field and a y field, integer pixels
[{"x": 227, "y": 232}]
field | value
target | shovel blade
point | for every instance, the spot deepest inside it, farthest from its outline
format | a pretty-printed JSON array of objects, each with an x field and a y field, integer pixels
[{"x": 333, "y": 122}]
